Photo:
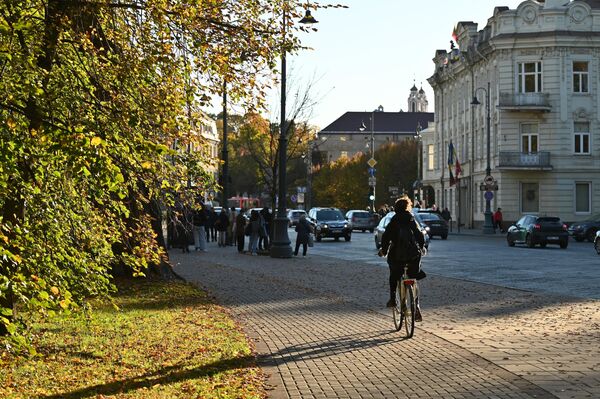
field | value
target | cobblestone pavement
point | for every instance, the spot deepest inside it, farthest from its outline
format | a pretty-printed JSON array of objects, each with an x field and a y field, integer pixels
[{"x": 321, "y": 332}]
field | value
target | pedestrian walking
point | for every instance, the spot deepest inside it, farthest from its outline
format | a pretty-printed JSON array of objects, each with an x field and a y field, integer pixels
[
  {"x": 208, "y": 224},
  {"x": 199, "y": 221},
  {"x": 497, "y": 219},
  {"x": 240, "y": 229},
  {"x": 254, "y": 230},
  {"x": 221, "y": 225},
  {"x": 447, "y": 217},
  {"x": 303, "y": 229},
  {"x": 403, "y": 244},
  {"x": 267, "y": 222},
  {"x": 213, "y": 224},
  {"x": 231, "y": 227}
]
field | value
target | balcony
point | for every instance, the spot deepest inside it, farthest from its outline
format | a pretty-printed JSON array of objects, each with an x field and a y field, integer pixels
[
  {"x": 524, "y": 102},
  {"x": 510, "y": 160}
]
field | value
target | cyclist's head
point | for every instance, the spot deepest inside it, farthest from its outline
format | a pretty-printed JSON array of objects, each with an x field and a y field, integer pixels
[{"x": 403, "y": 204}]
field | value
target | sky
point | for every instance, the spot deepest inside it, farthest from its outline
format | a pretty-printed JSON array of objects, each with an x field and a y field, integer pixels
[{"x": 372, "y": 53}]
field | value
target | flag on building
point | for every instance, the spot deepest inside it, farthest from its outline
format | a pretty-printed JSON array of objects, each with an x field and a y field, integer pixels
[
  {"x": 455, "y": 36},
  {"x": 451, "y": 163}
]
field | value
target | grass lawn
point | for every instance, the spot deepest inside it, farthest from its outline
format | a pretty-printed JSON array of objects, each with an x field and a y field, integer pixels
[{"x": 167, "y": 340}]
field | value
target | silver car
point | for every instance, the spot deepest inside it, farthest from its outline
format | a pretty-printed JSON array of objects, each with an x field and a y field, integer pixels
[
  {"x": 361, "y": 220},
  {"x": 294, "y": 216},
  {"x": 386, "y": 220}
]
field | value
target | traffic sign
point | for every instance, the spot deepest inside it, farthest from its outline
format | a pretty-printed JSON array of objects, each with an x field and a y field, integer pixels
[
  {"x": 488, "y": 195},
  {"x": 488, "y": 179},
  {"x": 293, "y": 198},
  {"x": 372, "y": 181},
  {"x": 372, "y": 162},
  {"x": 371, "y": 172},
  {"x": 301, "y": 198}
]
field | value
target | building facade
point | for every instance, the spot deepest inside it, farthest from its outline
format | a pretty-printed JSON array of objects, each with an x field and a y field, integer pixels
[{"x": 535, "y": 70}]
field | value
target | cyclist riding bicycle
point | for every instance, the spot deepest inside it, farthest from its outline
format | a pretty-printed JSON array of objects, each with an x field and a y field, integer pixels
[{"x": 404, "y": 244}]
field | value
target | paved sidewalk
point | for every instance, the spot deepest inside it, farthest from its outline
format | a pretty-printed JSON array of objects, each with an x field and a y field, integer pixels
[{"x": 321, "y": 332}]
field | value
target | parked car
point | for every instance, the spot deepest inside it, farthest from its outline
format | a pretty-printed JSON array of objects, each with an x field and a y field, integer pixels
[
  {"x": 597, "y": 242},
  {"x": 294, "y": 216},
  {"x": 386, "y": 220},
  {"x": 361, "y": 220},
  {"x": 329, "y": 222},
  {"x": 534, "y": 230},
  {"x": 437, "y": 225},
  {"x": 585, "y": 230}
]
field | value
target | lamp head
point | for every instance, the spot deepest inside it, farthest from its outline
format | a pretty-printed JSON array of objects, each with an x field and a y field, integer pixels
[
  {"x": 362, "y": 127},
  {"x": 308, "y": 18},
  {"x": 475, "y": 101}
]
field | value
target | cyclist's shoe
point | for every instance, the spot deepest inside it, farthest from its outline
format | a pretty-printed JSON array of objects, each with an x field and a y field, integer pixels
[
  {"x": 418, "y": 316},
  {"x": 391, "y": 303}
]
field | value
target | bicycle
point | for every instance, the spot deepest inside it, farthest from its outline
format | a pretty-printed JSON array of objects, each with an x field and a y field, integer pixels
[{"x": 405, "y": 308}]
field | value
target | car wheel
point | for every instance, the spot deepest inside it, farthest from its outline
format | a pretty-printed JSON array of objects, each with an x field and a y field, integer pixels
[
  {"x": 543, "y": 245},
  {"x": 337, "y": 238},
  {"x": 348, "y": 238},
  {"x": 444, "y": 236},
  {"x": 578, "y": 239},
  {"x": 371, "y": 230},
  {"x": 597, "y": 246},
  {"x": 377, "y": 244},
  {"x": 318, "y": 238},
  {"x": 510, "y": 243},
  {"x": 529, "y": 241},
  {"x": 591, "y": 235},
  {"x": 564, "y": 244}
]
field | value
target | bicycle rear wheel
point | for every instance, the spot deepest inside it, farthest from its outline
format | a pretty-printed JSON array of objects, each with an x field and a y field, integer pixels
[
  {"x": 408, "y": 313},
  {"x": 397, "y": 310}
]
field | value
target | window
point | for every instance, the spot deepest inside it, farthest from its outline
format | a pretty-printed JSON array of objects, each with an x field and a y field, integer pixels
[
  {"x": 530, "y": 197},
  {"x": 430, "y": 157},
  {"x": 529, "y": 138},
  {"x": 530, "y": 77},
  {"x": 582, "y": 198},
  {"x": 581, "y": 138},
  {"x": 344, "y": 154},
  {"x": 580, "y": 77}
]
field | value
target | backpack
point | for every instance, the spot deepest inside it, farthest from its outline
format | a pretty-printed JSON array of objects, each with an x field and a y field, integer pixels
[{"x": 404, "y": 247}]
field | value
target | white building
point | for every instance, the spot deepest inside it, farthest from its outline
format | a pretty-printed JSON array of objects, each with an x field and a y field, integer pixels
[{"x": 542, "y": 64}]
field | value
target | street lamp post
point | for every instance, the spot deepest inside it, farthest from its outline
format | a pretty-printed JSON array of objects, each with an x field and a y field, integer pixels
[
  {"x": 280, "y": 247},
  {"x": 488, "y": 226},
  {"x": 418, "y": 183},
  {"x": 372, "y": 183}
]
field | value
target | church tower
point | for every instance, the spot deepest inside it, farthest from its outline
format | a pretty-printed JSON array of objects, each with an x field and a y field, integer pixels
[{"x": 417, "y": 101}]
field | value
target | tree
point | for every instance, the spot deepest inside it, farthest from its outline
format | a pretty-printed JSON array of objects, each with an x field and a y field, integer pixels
[{"x": 96, "y": 100}]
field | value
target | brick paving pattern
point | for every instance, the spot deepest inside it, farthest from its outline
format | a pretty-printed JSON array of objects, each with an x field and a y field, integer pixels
[{"x": 321, "y": 332}]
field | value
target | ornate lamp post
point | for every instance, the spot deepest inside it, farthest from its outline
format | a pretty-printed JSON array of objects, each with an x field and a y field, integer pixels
[
  {"x": 418, "y": 182},
  {"x": 372, "y": 162},
  {"x": 488, "y": 227},
  {"x": 280, "y": 247}
]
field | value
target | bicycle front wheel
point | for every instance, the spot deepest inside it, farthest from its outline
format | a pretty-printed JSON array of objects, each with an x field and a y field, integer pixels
[
  {"x": 408, "y": 311},
  {"x": 397, "y": 309}
]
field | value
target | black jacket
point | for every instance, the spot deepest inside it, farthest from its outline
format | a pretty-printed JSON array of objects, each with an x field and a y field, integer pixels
[{"x": 391, "y": 231}]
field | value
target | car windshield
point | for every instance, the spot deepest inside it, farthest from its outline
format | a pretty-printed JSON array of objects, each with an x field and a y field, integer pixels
[
  {"x": 297, "y": 213},
  {"x": 330, "y": 214},
  {"x": 548, "y": 219},
  {"x": 361, "y": 215},
  {"x": 429, "y": 216}
]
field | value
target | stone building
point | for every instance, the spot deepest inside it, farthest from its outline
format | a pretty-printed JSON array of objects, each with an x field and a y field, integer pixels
[
  {"x": 539, "y": 65},
  {"x": 363, "y": 132}
]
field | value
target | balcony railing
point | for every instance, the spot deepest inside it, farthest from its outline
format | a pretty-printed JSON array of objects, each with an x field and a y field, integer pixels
[
  {"x": 525, "y": 102},
  {"x": 525, "y": 160}
]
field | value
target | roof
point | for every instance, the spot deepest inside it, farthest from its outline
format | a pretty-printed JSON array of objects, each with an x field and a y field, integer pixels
[
  {"x": 414, "y": 88},
  {"x": 384, "y": 122}
]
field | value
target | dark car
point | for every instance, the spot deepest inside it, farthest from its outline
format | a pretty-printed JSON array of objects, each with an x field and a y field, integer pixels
[
  {"x": 585, "y": 230},
  {"x": 534, "y": 230},
  {"x": 386, "y": 220},
  {"x": 329, "y": 222},
  {"x": 362, "y": 220},
  {"x": 597, "y": 242},
  {"x": 437, "y": 225}
]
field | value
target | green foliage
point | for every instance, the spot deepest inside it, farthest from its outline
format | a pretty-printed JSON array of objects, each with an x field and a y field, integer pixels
[
  {"x": 94, "y": 97},
  {"x": 343, "y": 183},
  {"x": 161, "y": 340}
]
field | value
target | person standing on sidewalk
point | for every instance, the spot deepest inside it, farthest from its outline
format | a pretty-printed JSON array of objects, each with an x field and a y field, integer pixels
[
  {"x": 303, "y": 229},
  {"x": 240, "y": 228},
  {"x": 254, "y": 232},
  {"x": 221, "y": 225},
  {"x": 199, "y": 221},
  {"x": 447, "y": 217},
  {"x": 403, "y": 244},
  {"x": 497, "y": 218}
]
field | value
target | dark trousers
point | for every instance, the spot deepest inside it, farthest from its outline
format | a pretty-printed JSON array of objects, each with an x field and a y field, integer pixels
[
  {"x": 304, "y": 247},
  {"x": 240, "y": 242},
  {"x": 397, "y": 270},
  {"x": 207, "y": 229}
]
